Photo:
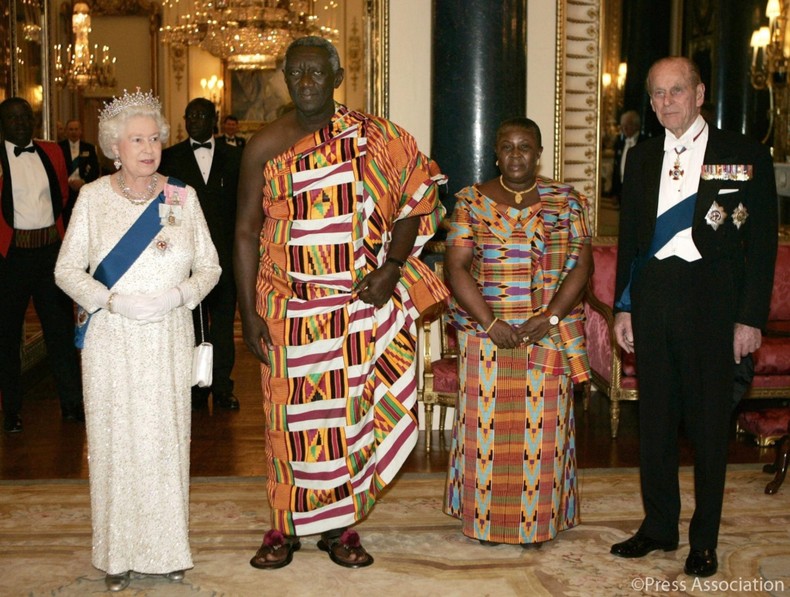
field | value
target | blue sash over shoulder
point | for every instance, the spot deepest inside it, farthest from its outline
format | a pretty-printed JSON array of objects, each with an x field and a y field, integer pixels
[
  {"x": 131, "y": 245},
  {"x": 677, "y": 218}
]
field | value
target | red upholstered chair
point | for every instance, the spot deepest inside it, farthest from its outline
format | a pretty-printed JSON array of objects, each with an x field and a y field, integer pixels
[
  {"x": 440, "y": 382},
  {"x": 772, "y": 359},
  {"x": 772, "y": 376},
  {"x": 613, "y": 371}
]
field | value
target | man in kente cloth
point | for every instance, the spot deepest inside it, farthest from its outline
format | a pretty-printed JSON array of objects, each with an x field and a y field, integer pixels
[{"x": 330, "y": 287}]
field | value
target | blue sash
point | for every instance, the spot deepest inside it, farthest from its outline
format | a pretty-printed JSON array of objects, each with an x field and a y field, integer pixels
[
  {"x": 123, "y": 255},
  {"x": 677, "y": 218}
]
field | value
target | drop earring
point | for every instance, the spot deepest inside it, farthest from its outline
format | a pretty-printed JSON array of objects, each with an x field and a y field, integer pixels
[{"x": 117, "y": 162}]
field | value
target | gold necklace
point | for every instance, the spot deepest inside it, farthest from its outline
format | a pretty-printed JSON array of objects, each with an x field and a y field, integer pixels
[{"x": 518, "y": 194}]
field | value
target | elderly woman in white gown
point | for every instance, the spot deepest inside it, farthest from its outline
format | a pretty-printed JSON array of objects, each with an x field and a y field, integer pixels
[{"x": 136, "y": 258}]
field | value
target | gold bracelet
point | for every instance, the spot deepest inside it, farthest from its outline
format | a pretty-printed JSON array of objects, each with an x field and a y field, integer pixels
[
  {"x": 490, "y": 325},
  {"x": 109, "y": 301}
]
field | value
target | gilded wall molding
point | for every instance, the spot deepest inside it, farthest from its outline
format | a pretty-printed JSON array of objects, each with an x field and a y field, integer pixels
[
  {"x": 378, "y": 62},
  {"x": 578, "y": 96}
]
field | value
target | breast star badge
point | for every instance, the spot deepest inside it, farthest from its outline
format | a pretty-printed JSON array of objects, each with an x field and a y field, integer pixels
[
  {"x": 715, "y": 216},
  {"x": 739, "y": 216}
]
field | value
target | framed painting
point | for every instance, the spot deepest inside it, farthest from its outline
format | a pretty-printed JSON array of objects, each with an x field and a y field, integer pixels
[{"x": 258, "y": 95}]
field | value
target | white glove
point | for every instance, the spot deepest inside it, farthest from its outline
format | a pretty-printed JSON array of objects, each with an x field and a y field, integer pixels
[
  {"x": 146, "y": 308},
  {"x": 163, "y": 303}
]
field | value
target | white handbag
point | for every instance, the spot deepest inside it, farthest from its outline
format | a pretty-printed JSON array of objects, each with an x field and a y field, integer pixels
[{"x": 202, "y": 359}]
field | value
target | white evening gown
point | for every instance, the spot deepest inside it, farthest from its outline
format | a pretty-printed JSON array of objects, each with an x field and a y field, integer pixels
[{"x": 136, "y": 381}]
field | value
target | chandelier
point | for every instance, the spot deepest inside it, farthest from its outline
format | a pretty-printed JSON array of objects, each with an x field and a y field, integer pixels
[
  {"x": 77, "y": 67},
  {"x": 246, "y": 34}
]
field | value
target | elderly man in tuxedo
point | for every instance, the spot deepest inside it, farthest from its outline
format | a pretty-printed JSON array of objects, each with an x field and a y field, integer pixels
[
  {"x": 212, "y": 169},
  {"x": 33, "y": 194},
  {"x": 82, "y": 163},
  {"x": 698, "y": 236}
]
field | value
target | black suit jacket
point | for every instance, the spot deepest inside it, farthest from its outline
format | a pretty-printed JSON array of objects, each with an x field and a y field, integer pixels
[
  {"x": 88, "y": 163},
  {"x": 619, "y": 146},
  {"x": 217, "y": 196},
  {"x": 88, "y": 160},
  {"x": 240, "y": 141},
  {"x": 750, "y": 251}
]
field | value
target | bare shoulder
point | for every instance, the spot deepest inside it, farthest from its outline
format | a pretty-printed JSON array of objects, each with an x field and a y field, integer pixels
[{"x": 273, "y": 139}]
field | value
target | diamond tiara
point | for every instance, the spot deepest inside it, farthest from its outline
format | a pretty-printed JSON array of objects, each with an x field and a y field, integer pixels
[{"x": 127, "y": 100}]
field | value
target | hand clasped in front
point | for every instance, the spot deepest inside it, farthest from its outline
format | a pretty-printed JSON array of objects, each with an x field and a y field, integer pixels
[{"x": 377, "y": 287}]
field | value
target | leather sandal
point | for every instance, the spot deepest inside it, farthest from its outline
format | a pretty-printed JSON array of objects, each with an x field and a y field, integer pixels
[
  {"x": 348, "y": 541},
  {"x": 275, "y": 543}
]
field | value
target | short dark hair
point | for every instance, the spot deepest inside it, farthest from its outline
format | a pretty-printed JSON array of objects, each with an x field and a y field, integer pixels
[
  {"x": 524, "y": 123},
  {"x": 314, "y": 41},
  {"x": 7, "y": 103},
  {"x": 230, "y": 117},
  {"x": 201, "y": 101}
]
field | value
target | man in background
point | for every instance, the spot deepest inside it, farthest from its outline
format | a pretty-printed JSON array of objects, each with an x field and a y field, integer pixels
[
  {"x": 82, "y": 163},
  {"x": 630, "y": 135},
  {"x": 33, "y": 196},
  {"x": 211, "y": 167},
  {"x": 230, "y": 129}
]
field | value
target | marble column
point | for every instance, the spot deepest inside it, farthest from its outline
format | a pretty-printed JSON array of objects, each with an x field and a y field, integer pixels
[{"x": 479, "y": 79}]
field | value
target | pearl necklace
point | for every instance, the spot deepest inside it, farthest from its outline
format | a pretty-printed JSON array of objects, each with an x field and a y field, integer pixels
[
  {"x": 518, "y": 194},
  {"x": 138, "y": 199}
]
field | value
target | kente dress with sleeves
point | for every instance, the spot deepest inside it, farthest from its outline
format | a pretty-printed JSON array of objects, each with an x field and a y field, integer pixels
[
  {"x": 512, "y": 470},
  {"x": 136, "y": 380}
]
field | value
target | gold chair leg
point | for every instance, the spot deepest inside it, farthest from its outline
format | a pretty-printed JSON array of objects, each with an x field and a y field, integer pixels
[
  {"x": 614, "y": 415},
  {"x": 442, "y": 417},
  {"x": 428, "y": 426}
]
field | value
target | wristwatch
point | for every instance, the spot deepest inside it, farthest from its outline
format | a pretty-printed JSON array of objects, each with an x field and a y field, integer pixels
[{"x": 553, "y": 319}]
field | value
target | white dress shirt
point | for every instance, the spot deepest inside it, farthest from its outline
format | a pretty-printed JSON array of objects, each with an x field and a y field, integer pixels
[
  {"x": 75, "y": 152},
  {"x": 672, "y": 192},
  {"x": 30, "y": 186},
  {"x": 204, "y": 156}
]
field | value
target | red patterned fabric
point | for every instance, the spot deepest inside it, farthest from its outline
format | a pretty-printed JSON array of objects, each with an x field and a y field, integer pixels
[
  {"x": 773, "y": 356},
  {"x": 771, "y": 381},
  {"x": 780, "y": 295},
  {"x": 445, "y": 375},
  {"x": 765, "y": 423}
]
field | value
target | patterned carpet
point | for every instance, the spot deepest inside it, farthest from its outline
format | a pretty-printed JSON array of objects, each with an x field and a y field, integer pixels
[{"x": 45, "y": 545}]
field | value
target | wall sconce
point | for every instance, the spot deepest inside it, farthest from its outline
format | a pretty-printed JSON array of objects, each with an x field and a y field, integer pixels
[
  {"x": 769, "y": 71},
  {"x": 212, "y": 90},
  {"x": 622, "y": 71}
]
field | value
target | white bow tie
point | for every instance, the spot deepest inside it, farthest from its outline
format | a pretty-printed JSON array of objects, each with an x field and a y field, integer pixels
[{"x": 670, "y": 144}]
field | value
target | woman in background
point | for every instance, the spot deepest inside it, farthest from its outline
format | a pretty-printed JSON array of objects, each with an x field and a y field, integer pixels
[
  {"x": 518, "y": 259},
  {"x": 137, "y": 256}
]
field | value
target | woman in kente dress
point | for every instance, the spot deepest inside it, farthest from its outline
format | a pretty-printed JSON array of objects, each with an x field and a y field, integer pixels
[
  {"x": 518, "y": 259},
  {"x": 137, "y": 257}
]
